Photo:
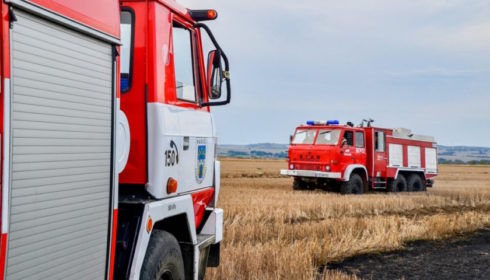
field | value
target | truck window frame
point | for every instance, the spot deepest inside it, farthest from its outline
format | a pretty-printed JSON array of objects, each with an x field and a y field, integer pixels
[
  {"x": 357, "y": 133},
  {"x": 131, "y": 50},
  {"x": 195, "y": 64},
  {"x": 377, "y": 146},
  {"x": 343, "y": 137}
]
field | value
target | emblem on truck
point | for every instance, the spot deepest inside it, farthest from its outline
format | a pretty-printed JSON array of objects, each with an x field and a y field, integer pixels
[{"x": 201, "y": 161}]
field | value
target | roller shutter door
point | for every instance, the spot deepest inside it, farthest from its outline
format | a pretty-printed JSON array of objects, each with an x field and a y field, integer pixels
[{"x": 61, "y": 121}]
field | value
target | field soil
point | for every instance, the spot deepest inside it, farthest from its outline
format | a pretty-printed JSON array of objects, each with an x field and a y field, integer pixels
[
  {"x": 273, "y": 232},
  {"x": 464, "y": 257}
]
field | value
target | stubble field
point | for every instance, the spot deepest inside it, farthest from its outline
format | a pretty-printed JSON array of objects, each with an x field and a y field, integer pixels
[{"x": 273, "y": 232}]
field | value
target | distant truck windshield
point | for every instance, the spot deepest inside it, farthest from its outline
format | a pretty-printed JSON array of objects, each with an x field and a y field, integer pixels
[
  {"x": 304, "y": 136},
  {"x": 328, "y": 137},
  {"x": 325, "y": 136}
]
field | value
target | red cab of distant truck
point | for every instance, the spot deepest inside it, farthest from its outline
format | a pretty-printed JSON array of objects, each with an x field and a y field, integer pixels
[{"x": 356, "y": 159}]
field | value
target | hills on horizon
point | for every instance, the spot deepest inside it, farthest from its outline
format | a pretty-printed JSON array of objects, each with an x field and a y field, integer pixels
[{"x": 446, "y": 154}]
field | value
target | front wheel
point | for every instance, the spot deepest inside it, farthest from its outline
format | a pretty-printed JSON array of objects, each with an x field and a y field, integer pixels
[
  {"x": 163, "y": 260},
  {"x": 355, "y": 185},
  {"x": 299, "y": 185}
]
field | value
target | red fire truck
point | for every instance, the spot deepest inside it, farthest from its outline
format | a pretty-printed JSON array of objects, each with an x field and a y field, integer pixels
[
  {"x": 108, "y": 166},
  {"x": 325, "y": 154}
]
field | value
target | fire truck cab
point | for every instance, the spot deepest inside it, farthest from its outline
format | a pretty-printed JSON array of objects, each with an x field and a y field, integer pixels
[
  {"x": 108, "y": 147},
  {"x": 354, "y": 160}
]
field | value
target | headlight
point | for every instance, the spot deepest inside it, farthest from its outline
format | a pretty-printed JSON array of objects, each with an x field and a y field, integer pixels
[
  {"x": 327, "y": 168},
  {"x": 291, "y": 166}
]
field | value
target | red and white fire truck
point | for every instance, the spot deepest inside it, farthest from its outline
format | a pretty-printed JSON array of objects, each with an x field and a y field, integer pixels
[
  {"x": 325, "y": 154},
  {"x": 108, "y": 148}
]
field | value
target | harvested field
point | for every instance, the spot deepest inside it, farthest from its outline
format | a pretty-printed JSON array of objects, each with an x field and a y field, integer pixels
[{"x": 273, "y": 232}]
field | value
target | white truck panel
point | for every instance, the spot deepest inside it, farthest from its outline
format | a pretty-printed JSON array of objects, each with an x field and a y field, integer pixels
[
  {"x": 413, "y": 153},
  {"x": 395, "y": 152},
  {"x": 180, "y": 142},
  {"x": 431, "y": 160}
]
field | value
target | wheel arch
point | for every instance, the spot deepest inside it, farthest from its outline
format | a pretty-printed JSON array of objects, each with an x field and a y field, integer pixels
[
  {"x": 355, "y": 169},
  {"x": 407, "y": 172}
]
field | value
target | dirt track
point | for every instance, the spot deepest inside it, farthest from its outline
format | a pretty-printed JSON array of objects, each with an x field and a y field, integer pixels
[{"x": 460, "y": 258}]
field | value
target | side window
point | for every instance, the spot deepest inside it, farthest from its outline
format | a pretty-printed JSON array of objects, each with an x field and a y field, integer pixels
[
  {"x": 359, "y": 139},
  {"x": 379, "y": 141},
  {"x": 183, "y": 63},
  {"x": 127, "y": 22},
  {"x": 349, "y": 138}
]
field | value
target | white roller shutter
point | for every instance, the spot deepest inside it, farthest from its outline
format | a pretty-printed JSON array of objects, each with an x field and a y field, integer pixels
[
  {"x": 61, "y": 122},
  {"x": 413, "y": 154}
]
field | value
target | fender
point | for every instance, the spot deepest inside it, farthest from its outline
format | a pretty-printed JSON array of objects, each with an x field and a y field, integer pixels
[
  {"x": 351, "y": 168},
  {"x": 415, "y": 170},
  {"x": 157, "y": 211}
]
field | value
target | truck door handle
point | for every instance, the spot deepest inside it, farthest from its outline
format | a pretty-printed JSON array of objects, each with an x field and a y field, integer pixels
[{"x": 186, "y": 143}]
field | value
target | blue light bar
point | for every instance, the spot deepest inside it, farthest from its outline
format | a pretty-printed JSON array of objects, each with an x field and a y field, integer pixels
[
  {"x": 330, "y": 122},
  {"x": 310, "y": 122}
]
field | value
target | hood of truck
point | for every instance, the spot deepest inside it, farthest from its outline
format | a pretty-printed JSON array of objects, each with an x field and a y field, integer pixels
[{"x": 313, "y": 157}]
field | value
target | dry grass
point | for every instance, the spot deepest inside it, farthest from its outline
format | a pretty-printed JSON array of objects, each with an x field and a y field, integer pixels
[{"x": 272, "y": 232}]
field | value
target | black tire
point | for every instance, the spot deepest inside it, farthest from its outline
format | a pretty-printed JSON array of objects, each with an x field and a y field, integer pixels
[
  {"x": 398, "y": 185},
  {"x": 415, "y": 183},
  {"x": 299, "y": 185},
  {"x": 355, "y": 185},
  {"x": 163, "y": 258}
]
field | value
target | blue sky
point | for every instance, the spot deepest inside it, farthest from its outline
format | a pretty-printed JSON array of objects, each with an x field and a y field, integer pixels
[{"x": 419, "y": 64}]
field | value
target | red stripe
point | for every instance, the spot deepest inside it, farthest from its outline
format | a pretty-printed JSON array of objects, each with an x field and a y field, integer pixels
[
  {"x": 113, "y": 244},
  {"x": 200, "y": 200},
  {"x": 3, "y": 254}
]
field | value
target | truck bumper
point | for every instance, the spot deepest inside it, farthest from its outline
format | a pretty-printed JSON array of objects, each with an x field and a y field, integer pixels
[{"x": 311, "y": 173}]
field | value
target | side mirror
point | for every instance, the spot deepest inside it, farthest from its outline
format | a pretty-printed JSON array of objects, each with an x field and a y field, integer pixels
[
  {"x": 290, "y": 138},
  {"x": 215, "y": 74}
]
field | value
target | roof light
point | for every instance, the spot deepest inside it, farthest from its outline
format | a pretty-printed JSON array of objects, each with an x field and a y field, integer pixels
[
  {"x": 202, "y": 15},
  {"x": 329, "y": 122}
]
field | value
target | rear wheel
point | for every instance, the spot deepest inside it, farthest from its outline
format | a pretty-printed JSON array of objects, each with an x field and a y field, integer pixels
[
  {"x": 398, "y": 185},
  {"x": 163, "y": 260},
  {"x": 299, "y": 185},
  {"x": 355, "y": 185},
  {"x": 415, "y": 183}
]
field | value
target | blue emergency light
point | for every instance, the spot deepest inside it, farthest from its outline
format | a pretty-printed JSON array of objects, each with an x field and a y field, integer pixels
[{"x": 329, "y": 122}]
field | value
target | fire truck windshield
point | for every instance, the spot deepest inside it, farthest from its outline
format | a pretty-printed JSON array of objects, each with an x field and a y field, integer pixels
[
  {"x": 328, "y": 137},
  {"x": 304, "y": 136}
]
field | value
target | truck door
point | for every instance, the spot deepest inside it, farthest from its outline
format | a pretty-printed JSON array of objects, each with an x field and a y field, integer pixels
[
  {"x": 360, "y": 148},
  {"x": 347, "y": 150},
  {"x": 379, "y": 154},
  {"x": 181, "y": 135}
]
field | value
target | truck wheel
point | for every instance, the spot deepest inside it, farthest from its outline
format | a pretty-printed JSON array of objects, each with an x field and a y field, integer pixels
[
  {"x": 299, "y": 185},
  {"x": 163, "y": 258},
  {"x": 355, "y": 185},
  {"x": 415, "y": 183},
  {"x": 398, "y": 185}
]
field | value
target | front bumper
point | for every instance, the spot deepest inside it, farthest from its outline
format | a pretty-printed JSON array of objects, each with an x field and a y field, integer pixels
[{"x": 311, "y": 173}]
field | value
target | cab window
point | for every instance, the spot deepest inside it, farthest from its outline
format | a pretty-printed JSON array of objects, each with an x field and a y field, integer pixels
[
  {"x": 348, "y": 138},
  {"x": 183, "y": 63},
  {"x": 304, "y": 136},
  {"x": 127, "y": 22},
  {"x": 359, "y": 139},
  {"x": 379, "y": 141}
]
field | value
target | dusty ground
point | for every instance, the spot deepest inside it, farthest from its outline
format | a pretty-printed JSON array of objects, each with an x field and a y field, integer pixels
[
  {"x": 273, "y": 232},
  {"x": 464, "y": 257}
]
